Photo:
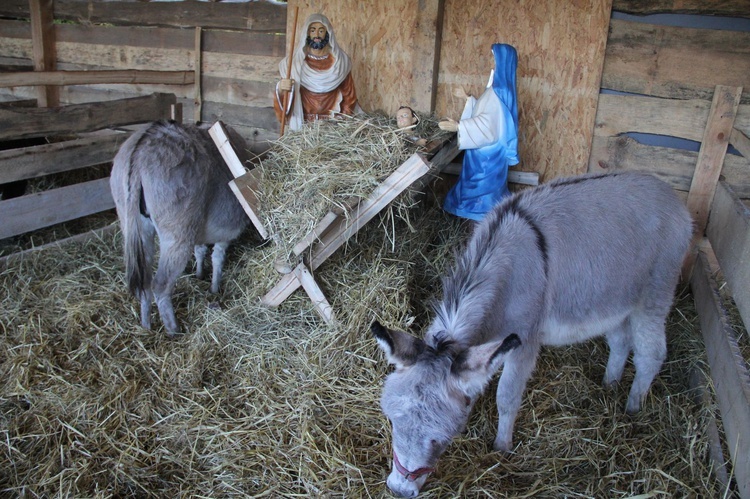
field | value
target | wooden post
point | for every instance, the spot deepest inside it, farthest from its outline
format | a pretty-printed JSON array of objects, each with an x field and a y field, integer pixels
[
  {"x": 710, "y": 161},
  {"x": 427, "y": 42},
  {"x": 43, "y": 43}
]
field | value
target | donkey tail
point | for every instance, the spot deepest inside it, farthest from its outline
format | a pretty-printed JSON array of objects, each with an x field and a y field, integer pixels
[{"x": 138, "y": 234}]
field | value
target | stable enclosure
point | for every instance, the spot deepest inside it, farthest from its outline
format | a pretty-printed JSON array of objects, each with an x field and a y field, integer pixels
[{"x": 259, "y": 401}]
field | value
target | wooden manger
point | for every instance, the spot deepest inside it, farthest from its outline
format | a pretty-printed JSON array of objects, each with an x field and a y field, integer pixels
[{"x": 337, "y": 226}]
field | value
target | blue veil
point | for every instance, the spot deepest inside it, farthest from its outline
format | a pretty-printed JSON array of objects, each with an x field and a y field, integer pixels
[{"x": 484, "y": 177}]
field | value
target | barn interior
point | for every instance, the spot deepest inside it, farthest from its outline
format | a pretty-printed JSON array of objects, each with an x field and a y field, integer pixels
[{"x": 255, "y": 400}]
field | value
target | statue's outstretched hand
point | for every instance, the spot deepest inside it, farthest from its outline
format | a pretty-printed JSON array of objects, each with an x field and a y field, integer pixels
[
  {"x": 285, "y": 85},
  {"x": 448, "y": 125},
  {"x": 460, "y": 93}
]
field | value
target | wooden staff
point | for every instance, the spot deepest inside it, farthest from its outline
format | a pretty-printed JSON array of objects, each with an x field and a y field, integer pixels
[{"x": 289, "y": 71}]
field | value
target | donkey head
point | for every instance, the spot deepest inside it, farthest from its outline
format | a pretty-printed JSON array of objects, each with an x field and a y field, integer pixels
[{"x": 428, "y": 398}]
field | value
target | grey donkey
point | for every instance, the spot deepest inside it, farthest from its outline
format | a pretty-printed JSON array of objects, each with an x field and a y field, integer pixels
[
  {"x": 570, "y": 260},
  {"x": 170, "y": 179}
]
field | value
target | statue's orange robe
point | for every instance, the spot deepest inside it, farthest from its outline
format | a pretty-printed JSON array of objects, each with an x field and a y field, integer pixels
[{"x": 319, "y": 105}]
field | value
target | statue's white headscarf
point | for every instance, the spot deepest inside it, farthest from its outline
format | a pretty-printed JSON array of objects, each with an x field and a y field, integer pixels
[{"x": 315, "y": 81}]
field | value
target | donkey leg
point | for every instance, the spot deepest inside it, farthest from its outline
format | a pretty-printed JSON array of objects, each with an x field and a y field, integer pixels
[
  {"x": 649, "y": 352},
  {"x": 620, "y": 345},
  {"x": 199, "y": 251},
  {"x": 172, "y": 261},
  {"x": 148, "y": 239},
  {"x": 510, "y": 389},
  {"x": 217, "y": 261}
]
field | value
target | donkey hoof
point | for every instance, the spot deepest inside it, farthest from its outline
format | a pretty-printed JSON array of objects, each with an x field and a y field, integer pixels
[{"x": 502, "y": 446}]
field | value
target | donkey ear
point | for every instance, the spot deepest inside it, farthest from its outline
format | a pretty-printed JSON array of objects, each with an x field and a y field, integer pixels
[
  {"x": 475, "y": 366},
  {"x": 401, "y": 349}
]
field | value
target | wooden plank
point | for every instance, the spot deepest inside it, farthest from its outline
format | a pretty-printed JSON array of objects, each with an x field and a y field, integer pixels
[
  {"x": 36, "y": 161},
  {"x": 321, "y": 305},
  {"x": 729, "y": 372},
  {"x": 674, "y": 166},
  {"x": 427, "y": 42},
  {"x": 129, "y": 76},
  {"x": 668, "y": 61},
  {"x": 344, "y": 227},
  {"x": 729, "y": 232},
  {"x": 23, "y": 123},
  {"x": 198, "y": 99},
  {"x": 618, "y": 114},
  {"x": 43, "y": 42},
  {"x": 36, "y": 211},
  {"x": 245, "y": 188},
  {"x": 712, "y": 152},
  {"x": 514, "y": 177},
  {"x": 14, "y": 258},
  {"x": 727, "y": 8},
  {"x": 261, "y": 16}
]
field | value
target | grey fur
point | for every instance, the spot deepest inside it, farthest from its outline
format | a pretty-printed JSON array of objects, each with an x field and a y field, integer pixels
[
  {"x": 568, "y": 261},
  {"x": 169, "y": 179}
]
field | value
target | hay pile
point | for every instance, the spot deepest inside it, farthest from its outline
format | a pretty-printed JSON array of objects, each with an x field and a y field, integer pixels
[
  {"x": 259, "y": 402},
  {"x": 328, "y": 165}
]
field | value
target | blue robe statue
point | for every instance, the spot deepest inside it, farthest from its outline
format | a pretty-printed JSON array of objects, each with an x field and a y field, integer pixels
[{"x": 488, "y": 135}]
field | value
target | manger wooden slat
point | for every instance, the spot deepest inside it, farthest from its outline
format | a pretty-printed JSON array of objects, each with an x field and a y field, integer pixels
[
  {"x": 263, "y": 15},
  {"x": 36, "y": 161},
  {"x": 667, "y": 61},
  {"x": 36, "y": 211},
  {"x": 729, "y": 232},
  {"x": 728, "y": 370},
  {"x": 320, "y": 303},
  {"x": 245, "y": 188},
  {"x": 23, "y": 122},
  {"x": 711, "y": 154},
  {"x": 345, "y": 227},
  {"x": 132, "y": 77}
]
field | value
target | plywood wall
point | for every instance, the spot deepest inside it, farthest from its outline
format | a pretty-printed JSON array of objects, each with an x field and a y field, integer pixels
[{"x": 561, "y": 51}]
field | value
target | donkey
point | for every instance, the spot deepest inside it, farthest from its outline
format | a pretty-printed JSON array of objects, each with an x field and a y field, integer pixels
[
  {"x": 170, "y": 179},
  {"x": 570, "y": 260}
]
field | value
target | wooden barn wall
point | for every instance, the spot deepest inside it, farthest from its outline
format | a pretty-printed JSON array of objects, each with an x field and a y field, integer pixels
[
  {"x": 242, "y": 44},
  {"x": 660, "y": 80},
  {"x": 560, "y": 47}
]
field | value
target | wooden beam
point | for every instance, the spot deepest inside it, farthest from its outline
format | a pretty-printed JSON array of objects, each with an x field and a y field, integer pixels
[
  {"x": 126, "y": 76},
  {"x": 36, "y": 211},
  {"x": 711, "y": 155},
  {"x": 43, "y": 45},
  {"x": 726, "y": 8},
  {"x": 426, "y": 55},
  {"x": 31, "y": 162},
  {"x": 18, "y": 123},
  {"x": 729, "y": 372}
]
